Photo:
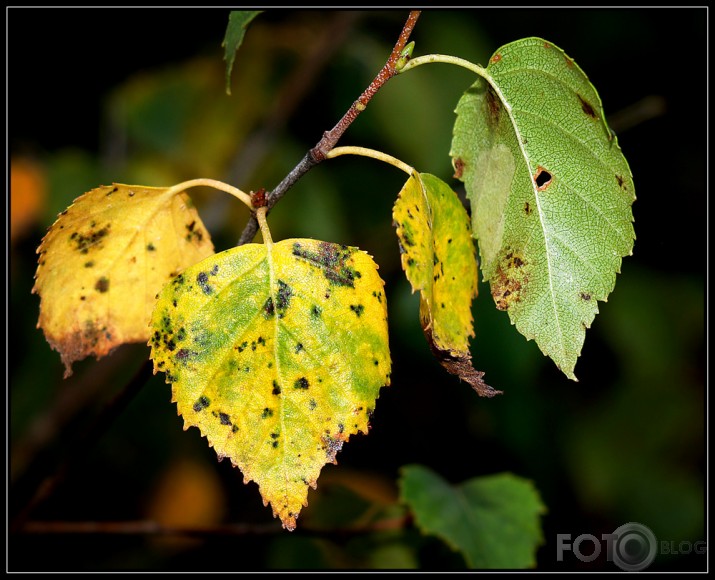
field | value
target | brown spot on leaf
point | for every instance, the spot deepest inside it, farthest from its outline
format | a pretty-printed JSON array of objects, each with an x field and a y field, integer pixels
[
  {"x": 587, "y": 108},
  {"x": 495, "y": 59},
  {"x": 494, "y": 106},
  {"x": 458, "y": 168},
  {"x": 621, "y": 182},
  {"x": 82, "y": 341},
  {"x": 585, "y": 296},
  {"x": 547, "y": 45},
  {"x": 508, "y": 283},
  {"x": 527, "y": 208}
]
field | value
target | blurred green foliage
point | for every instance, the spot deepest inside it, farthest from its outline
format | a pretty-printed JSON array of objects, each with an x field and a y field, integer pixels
[{"x": 626, "y": 443}]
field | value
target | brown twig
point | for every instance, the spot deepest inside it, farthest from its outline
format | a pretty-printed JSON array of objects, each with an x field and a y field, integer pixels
[{"x": 330, "y": 138}]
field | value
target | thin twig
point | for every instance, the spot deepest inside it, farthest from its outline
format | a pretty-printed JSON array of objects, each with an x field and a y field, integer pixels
[{"x": 330, "y": 138}]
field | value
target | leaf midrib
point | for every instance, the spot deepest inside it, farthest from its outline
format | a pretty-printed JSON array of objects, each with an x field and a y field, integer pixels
[{"x": 525, "y": 156}]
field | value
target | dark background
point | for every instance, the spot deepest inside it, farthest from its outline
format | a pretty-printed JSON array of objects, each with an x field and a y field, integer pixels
[{"x": 136, "y": 96}]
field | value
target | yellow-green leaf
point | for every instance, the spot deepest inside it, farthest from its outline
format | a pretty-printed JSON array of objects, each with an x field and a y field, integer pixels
[
  {"x": 277, "y": 354},
  {"x": 550, "y": 190},
  {"x": 103, "y": 262},
  {"x": 439, "y": 260}
]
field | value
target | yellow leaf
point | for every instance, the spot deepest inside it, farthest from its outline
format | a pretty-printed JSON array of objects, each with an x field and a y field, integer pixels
[
  {"x": 103, "y": 262},
  {"x": 439, "y": 260},
  {"x": 277, "y": 354}
]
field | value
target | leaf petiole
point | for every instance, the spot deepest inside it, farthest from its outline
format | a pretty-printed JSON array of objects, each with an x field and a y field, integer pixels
[
  {"x": 365, "y": 152},
  {"x": 263, "y": 224},
  {"x": 446, "y": 59},
  {"x": 220, "y": 185}
]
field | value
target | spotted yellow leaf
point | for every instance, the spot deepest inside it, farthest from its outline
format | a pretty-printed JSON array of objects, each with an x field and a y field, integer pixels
[
  {"x": 438, "y": 257},
  {"x": 103, "y": 262},
  {"x": 277, "y": 354}
]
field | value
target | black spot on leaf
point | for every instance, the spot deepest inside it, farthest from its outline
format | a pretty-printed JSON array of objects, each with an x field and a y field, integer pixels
[
  {"x": 201, "y": 403},
  {"x": 268, "y": 308},
  {"x": 332, "y": 261},
  {"x": 102, "y": 284},
  {"x": 283, "y": 299},
  {"x": 92, "y": 239},
  {"x": 203, "y": 281}
]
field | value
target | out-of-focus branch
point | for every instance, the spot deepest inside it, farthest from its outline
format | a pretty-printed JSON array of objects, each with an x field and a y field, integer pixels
[
  {"x": 151, "y": 528},
  {"x": 77, "y": 451},
  {"x": 646, "y": 109}
]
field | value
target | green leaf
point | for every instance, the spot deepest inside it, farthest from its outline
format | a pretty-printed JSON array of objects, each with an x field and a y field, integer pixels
[
  {"x": 438, "y": 257},
  {"x": 104, "y": 260},
  {"x": 277, "y": 354},
  {"x": 238, "y": 21},
  {"x": 550, "y": 191},
  {"x": 492, "y": 520}
]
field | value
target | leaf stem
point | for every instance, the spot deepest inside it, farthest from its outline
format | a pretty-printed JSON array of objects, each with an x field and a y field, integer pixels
[
  {"x": 365, "y": 152},
  {"x": 265, "y": 232},
  {"x": 446, "y": 59},
  {"x": 220, "y": 185}
]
